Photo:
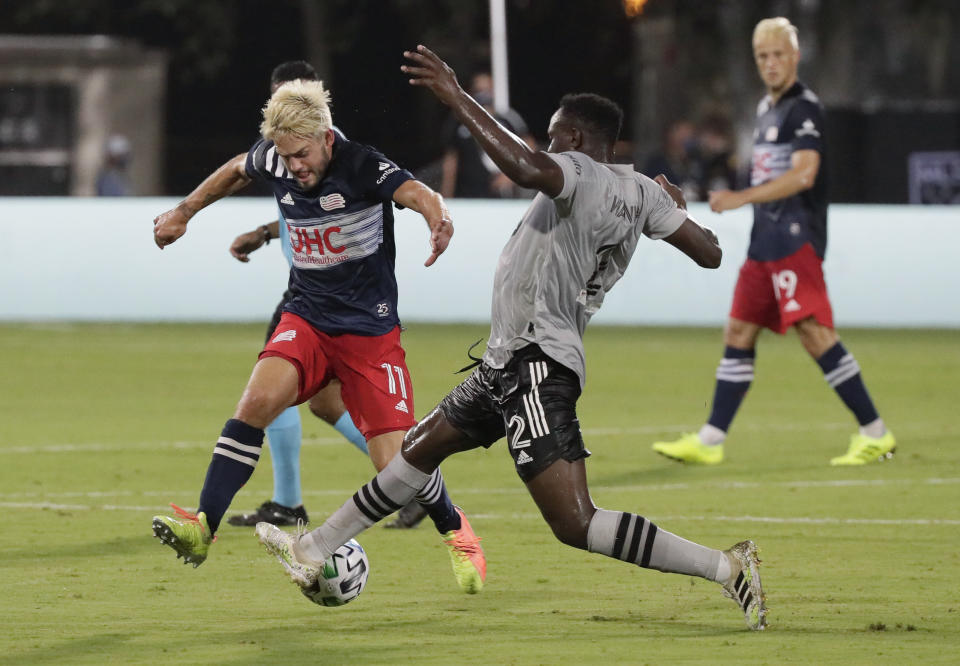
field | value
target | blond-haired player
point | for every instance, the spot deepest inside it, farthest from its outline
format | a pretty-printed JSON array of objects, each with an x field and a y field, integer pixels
[
  {"x": 342, "y": 321},
  {"x": 781, "y": 284}
]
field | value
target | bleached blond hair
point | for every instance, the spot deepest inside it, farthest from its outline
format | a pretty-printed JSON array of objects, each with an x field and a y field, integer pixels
[
  {"x": 300, "y": 107},
  {"x": 779, "y": 27}
]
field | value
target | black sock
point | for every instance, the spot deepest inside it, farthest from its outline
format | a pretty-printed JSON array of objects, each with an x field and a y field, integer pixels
[
  {"x": 734, "y": 375},
  {"x": 234, "y": 459},
  {"x": 434, "y": 498},
  {"x": 842, "y": 372}
]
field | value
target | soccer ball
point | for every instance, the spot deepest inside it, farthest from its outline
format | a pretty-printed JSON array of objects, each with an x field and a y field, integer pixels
[{"x": 343, "y": 577}]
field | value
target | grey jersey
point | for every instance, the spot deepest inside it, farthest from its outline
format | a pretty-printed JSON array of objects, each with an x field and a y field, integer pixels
[{"x": 567, "y": 253}]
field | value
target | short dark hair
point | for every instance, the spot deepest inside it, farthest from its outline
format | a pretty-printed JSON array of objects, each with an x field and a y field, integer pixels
[
  {"x": 600, "y": 116},
  {"x": 293, "y": 70}
]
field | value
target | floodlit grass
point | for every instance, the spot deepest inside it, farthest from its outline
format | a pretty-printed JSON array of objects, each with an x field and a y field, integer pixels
[{"x": 102, "y": 425}]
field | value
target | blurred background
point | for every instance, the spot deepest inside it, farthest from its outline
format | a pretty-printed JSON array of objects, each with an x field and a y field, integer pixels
[
  {"x": 146, "y": 97},
  {"x": 137, "y": 101}
]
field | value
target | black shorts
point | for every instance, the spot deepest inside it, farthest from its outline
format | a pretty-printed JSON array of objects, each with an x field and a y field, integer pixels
[
  {"x": 532, "y": 400},
  {"x": 275, "y": 320}
]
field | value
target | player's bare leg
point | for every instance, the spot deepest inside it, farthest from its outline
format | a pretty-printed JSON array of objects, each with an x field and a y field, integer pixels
[
  {"x": 873, "y": 442},
  {"x": 272, "y": 387},
  {"x": 560, "y": 491},
  {"x": 734, "y": 376}
]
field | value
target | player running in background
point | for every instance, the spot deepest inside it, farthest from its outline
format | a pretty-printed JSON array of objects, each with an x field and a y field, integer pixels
[
  {"x": 342, "y": 320},
  {"x": 572, "y": 245},
  {"x": 781, "y": 283},
  {"x": 285, "y": 432}
]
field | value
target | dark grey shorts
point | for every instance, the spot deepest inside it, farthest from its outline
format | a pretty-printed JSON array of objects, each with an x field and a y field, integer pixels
[{"x": 532, "y": 401}]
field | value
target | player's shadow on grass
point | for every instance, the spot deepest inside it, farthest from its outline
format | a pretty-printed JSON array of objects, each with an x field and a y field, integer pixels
[
  {"x": 114, "y": 546},
  {"x": 70, "y": 650}
]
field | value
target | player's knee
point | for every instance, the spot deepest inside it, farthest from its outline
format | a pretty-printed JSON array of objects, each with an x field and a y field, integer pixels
[
  {"x": 740, "y": 334},
  {"x": 260, "y": 408},
  {"x": 815, "y": 337},
  {"x": 323, "y": 411},
  {"x": 571, "y": 531}
]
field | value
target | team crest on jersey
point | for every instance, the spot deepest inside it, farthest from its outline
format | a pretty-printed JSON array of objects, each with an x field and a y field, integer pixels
[
  {"x": 771, "y": 134},
  {"x": 332, "y": 201}
]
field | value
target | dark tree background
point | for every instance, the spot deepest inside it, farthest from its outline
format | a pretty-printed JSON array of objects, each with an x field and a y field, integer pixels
[{"x": 222, "y": 51}]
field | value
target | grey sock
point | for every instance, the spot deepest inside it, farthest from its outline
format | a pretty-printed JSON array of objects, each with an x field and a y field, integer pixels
[
  {"x": 388, "y": 491},
  {"x": 632, "y": 538}
]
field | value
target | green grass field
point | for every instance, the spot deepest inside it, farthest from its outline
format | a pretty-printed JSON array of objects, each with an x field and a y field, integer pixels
[{"x": 102, "y": 425}]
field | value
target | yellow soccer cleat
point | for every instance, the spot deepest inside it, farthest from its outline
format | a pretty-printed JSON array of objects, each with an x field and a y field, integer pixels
[
  {"x": 864, "y": 449},
  {"x": 188, "y": 534},
  {"x": 689, "y": 449},
  {"x": 466, "y": 556}
]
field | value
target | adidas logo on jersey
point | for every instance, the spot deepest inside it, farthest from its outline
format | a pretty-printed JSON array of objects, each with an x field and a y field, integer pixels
[
  {"x": 332, "y": 201},
  {"x": 384, "y": 166},
  {"x": 791, "y": 306},
  {"x": 287, "y": 199},
  {"x": 402, "y": 407},
  {"x": 286, "y": 336},
  {"x": 524, "y": 458}
]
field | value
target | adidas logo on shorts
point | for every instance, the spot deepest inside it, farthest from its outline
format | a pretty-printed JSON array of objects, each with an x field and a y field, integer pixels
[
  {"x": 402, "y": 407},
  {"x": 286, "y": 336},
  {"x": 524, "y": 457}
]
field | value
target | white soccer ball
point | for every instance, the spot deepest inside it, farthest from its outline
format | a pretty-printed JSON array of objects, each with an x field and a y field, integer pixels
[{"x": 343, "y": 577}]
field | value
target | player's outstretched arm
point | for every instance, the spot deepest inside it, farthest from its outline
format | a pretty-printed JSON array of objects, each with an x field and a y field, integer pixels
[
  {"x": 697, "y": 242},
  {"x": 244, "y": 244},
  {"x": 416, "y": 196},
  {"x": 232, "y": 176},
  {"x": 804, "y": 166},
  {"x": 528, "y": 168}
]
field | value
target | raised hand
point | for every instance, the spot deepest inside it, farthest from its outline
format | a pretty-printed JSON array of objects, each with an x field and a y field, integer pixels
[{"x": 428, "y": 70}]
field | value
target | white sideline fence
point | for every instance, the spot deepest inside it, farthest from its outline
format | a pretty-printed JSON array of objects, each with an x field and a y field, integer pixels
[{"x": 88, "y": 259}]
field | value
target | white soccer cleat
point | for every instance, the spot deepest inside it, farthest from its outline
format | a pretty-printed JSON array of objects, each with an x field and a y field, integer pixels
[
  {"x": 280, "y": 543},
  {"x": 744, "y": 584}
]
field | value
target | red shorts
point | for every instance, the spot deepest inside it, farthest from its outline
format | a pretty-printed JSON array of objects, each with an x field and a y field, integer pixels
[
  {"x": 778, "y": 294},
  {"x": 373, "y": 372}
]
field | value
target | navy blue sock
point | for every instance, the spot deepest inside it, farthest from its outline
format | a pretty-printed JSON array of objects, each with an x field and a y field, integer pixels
[
  {"x": 734, "y": 375},
  {"x": 842, "y": 372},
  {"x": 436, "y": 501},
  {"x": 234, "y": 459}
]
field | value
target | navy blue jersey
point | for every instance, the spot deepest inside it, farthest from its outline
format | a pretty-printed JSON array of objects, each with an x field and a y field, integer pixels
[
  {"x": 341, "y": 233},
  {"x": 781, "y": 227}
]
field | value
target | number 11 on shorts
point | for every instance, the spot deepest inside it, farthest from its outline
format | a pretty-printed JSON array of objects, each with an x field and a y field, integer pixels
[{"x": 391, "y": 382}]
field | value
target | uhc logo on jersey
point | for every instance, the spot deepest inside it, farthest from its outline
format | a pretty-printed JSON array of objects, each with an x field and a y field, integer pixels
[
  {"x": 332, "y": 201},
  {"x": 319, "y": 243}
]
